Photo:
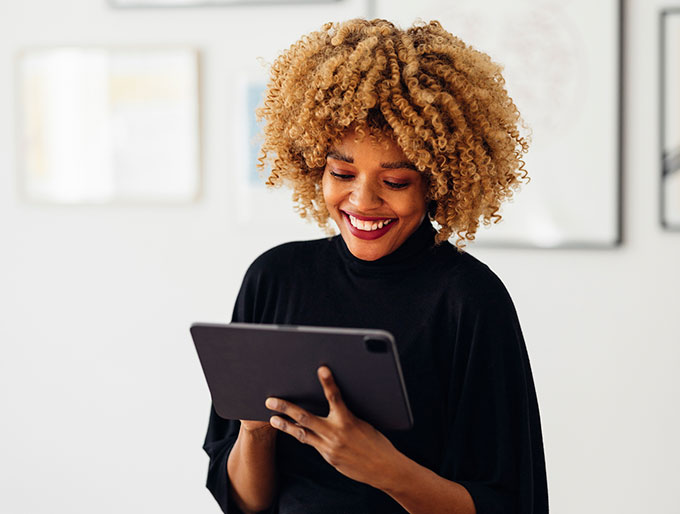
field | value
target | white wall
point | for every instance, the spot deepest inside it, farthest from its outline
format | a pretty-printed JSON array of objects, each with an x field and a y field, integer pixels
[{"x": 102, "y": 401}]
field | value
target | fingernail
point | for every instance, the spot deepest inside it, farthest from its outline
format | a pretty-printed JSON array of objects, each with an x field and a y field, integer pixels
[
  {"x": 324, "y": 372},
  {"x": 274, "y": 421},
  {"x": 270, "y": 403}
]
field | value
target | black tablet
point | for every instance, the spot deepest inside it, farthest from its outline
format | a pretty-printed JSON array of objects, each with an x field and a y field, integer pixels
[{"x": 245, "y": 363}]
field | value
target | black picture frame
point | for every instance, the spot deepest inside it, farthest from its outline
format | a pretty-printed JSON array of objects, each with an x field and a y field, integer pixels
[{"x": 669, "y": 147}]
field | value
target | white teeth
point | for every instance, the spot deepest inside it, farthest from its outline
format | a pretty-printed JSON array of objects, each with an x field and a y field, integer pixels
[{"x": 367, "y": 225}]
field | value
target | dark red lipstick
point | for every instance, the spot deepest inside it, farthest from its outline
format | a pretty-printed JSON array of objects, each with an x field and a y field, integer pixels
[{"x": 368, "y": 234}]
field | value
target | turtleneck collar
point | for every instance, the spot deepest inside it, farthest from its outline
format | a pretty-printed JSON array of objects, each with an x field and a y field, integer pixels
[{"x": 404, "y": 257}]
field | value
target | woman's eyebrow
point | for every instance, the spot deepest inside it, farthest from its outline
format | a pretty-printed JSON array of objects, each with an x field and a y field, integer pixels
[
  {"x": 334, "y": 154},
  {"x": 398, "y": 165}
]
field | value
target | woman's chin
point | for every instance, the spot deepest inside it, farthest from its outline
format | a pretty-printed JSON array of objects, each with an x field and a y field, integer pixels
[
  {"x": 365, "y": 250},
  {"x": 366, "y": 256}
]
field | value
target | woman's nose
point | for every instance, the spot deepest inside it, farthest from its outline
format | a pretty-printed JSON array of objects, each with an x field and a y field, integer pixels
[{"x": 365, "y": 195}]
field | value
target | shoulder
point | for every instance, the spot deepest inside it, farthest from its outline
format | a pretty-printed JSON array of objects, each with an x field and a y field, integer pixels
[
  {"x": 480, "y": 304},
  {"x": 287, "y": 258},
  {"x": 469, "y": 280},
  {"x": 272, "y": 275}
]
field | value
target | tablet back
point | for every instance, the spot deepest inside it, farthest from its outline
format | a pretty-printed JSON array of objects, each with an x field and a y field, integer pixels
[{"x": 246, "y": 363}]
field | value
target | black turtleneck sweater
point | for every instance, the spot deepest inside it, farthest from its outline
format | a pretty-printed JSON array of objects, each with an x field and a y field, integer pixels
[{"x": 464, "y": 361}]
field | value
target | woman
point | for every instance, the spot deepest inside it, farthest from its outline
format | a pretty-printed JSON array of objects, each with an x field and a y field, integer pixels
[{"x": 382, "y": 130}]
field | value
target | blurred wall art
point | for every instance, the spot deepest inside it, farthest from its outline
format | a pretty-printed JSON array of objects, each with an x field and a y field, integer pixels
[
  {"x": 561, "y": 63},
  {"x": 669, "y": 114},
  {"x": 100, "y": 125}
]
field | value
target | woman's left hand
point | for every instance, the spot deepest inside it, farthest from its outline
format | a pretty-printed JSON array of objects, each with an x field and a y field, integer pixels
[{"x": 349, "y": 444}]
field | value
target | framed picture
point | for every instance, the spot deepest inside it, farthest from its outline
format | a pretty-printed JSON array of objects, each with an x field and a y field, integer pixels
[
  {"x": 253, "y": 194},
  {"x": 100, "y": 125},
  {"x": 208, "y": 3},
  {"x": 669, "y": 116},
  {"x": 251, "y": 206},
  {"x": 562, "y": 65},
  {"x": 256, "y": 201}
]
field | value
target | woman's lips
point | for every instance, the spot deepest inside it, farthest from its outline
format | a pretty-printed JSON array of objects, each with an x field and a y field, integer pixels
[
  {"x": 368, "y": 234},
  {"x": 367, "y": 218}
]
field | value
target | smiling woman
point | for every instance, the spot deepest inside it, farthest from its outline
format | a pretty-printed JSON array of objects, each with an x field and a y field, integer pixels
[
  {"x": 440, "y": 101},
  {"x": 384, "y": 131},
  {"x": 373, "y": 194}
]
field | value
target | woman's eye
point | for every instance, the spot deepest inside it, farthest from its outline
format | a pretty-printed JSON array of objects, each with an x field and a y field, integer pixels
[
  {"x": 341, "y": 176},
  {"x": 396, "y": 185}
]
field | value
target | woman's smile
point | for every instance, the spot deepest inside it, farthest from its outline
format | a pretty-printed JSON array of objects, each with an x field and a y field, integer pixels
[
  {"x": 368, "y": 228},
  {"x": 374, "y": 194}
]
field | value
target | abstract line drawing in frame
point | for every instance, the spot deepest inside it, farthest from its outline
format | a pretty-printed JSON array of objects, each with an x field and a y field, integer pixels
[
  {"x": 669, "y": 117},
  {"x": 101, "y": 125},
  {"x": 212, "y": 3},
  {"x": 562, "y": 65}
]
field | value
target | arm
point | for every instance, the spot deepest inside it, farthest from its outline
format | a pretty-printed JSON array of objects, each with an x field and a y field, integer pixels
[
  {"x": 494, "y": 446},
  {"x": 420, "y": 490},
  {"x": 251, "y": 468},
  {"x": 241, "y": 473},
  {"x": 230, "y": 436}
]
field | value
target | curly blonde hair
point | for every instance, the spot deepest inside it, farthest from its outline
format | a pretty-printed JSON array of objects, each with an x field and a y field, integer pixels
[{"x": 443, "y": 102}]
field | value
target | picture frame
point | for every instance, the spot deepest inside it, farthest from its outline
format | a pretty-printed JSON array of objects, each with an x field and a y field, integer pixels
[
  {"x": 211, "y": 3},
  {"x": 101, "y": 125},
  {"x": 669, "y": 118},
  {"x": 256, "y": 202},
  {"x": 563, "y": 68}
]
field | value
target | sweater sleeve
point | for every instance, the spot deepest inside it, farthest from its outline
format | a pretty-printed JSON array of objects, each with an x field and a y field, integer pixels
[
  {"x": 494, "y": 443},
  {"x": 222, "y": 433},
  {"x": 219, "y": 440}
]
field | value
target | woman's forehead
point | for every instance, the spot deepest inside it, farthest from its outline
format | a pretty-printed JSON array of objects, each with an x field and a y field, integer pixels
[
  {"x": 378, "y": 141},
  {"x": 386, "y": 153}
]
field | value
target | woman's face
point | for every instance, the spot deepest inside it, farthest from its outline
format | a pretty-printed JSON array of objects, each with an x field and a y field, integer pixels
[{"x": 374, "y": 195}]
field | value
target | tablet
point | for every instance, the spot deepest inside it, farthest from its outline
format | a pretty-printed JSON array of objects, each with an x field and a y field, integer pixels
[{"x": 245, "y": 363}]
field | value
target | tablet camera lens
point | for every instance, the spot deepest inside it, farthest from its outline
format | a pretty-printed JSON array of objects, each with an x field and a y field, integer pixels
[{"x": 376, "y": 345}]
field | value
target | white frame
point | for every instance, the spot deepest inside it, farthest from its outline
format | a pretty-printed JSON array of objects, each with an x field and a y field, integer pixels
[
  {"x": 210, "y": 3},
  {"x": 188, "y": 193},
  {"x": 575, "y": 197}
]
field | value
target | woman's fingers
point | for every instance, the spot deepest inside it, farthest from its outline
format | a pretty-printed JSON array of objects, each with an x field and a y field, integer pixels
[
  {"x": 305, "y": 426},
  {"x": 308, "y": 428},
  {"x": 331, "y": 390},
  {"x": 302, "y": 434},
  {"x": 300, "y": 415}
]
